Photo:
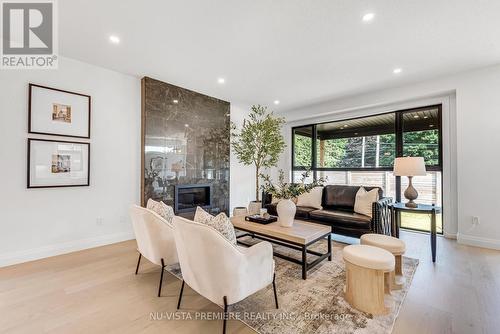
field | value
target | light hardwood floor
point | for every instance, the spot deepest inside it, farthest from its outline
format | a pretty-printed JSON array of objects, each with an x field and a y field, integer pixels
[{"x": 96, "y": 291}]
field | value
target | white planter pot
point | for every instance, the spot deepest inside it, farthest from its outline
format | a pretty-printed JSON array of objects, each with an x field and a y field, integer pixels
[
  {"x": 254, "y": 207},
  {"x": 240, "y": 211},
  {"x": 286, "y": 212}
]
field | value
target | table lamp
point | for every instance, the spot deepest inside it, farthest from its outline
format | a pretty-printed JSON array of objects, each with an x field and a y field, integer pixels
[{"x": 410, "y": 166}]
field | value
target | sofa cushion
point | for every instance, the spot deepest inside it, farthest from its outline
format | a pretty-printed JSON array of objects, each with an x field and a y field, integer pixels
[
  {"x": 340, "y": 196},
  {"x": 364, "y": 201},
  {"x": 304, "y": 212},
  {"x": 311, "y": 199},
  {"x": 341, "y": 218},
  {"x": 343, "y": 197}
]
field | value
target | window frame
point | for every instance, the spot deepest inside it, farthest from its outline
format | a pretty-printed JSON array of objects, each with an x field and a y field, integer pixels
[
  {"x": 313, "y": 138},
  {"x": 398, "y": 131}
]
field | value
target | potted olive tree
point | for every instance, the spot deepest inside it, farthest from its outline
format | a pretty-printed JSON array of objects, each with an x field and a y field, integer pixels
[{"x": 259, "y": 142}]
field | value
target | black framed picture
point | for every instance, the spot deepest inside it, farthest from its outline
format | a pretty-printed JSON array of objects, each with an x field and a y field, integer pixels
[
  {"x": 58, "y": 112},
  {"x": 58, "y": 163}
]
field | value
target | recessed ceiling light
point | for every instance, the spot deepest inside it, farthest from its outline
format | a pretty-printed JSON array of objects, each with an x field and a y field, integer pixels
[
  {"x": 368, "y": 17},
  {"x": 114, "y": 39},
  {"x": 416, "y": 116},
  {"x": 276, "y": 102},
  {"x": 397, "y": 70},
  {"x": 175, "y": 101},
  {"x": 186, "y": 125},
  {"x": 426, "y": 117},
  {"x": 221, "y": 80}
]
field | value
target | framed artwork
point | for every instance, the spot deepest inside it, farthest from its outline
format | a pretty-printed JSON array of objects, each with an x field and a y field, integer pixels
[
  {"x": 58, "y": 163},
  {"x": 58, "y": 112}
]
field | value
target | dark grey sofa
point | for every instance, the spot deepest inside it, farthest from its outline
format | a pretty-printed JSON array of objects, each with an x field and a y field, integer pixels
[{"x": 338, "y": 212}]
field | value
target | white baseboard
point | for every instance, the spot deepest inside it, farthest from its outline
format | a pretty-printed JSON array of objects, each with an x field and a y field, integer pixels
[
  {"x": 11, "y": 258},
  {"x": 450, "y": 235},
  {"x": 478, "y": 241}
]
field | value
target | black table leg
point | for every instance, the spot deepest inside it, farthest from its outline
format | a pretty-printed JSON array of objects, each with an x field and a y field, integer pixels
[
  {"x": 433, "y": 235},
  {"x": 393, "y": 229},
  {"x": 398, "y": 222},
  {"x": 304, "y": 262},
  {"x": 330, "y": 247}
]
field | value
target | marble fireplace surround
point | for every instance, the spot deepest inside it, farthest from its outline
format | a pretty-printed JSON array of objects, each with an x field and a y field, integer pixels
[{"x": 185, "y": 141}]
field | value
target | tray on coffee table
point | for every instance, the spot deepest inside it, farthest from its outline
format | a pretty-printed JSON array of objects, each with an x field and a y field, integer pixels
[{"x": 260, "y": 219}]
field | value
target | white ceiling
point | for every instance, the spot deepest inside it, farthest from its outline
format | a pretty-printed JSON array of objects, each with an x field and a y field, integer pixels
[{"x": 296, "y": 51}]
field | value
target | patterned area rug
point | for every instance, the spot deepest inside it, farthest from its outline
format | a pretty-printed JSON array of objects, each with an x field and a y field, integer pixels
[{"x": 315, "y": 305}]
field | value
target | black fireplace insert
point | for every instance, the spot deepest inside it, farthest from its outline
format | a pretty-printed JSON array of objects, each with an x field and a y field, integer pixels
[{"x": 189, "y": 196}]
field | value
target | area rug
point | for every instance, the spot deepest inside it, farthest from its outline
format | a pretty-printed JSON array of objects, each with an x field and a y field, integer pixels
[{"x": 315, "y": 305}]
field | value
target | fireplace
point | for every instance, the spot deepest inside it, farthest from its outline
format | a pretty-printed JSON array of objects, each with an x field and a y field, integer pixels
[{"x": 189, "y": 196}]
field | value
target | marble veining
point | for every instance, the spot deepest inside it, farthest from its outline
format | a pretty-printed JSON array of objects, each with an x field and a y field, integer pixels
[{"x": 186, "y": 141}]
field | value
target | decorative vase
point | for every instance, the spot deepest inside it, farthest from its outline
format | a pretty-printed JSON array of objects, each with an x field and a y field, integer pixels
[
  {"x": 286, "y": 212},
  {"x": 254, "y": 207},
  {"x": 240, "y": 211}
]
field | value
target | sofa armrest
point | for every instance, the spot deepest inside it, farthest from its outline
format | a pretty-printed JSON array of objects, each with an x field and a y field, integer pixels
[
  {"x": 381, "y": 216},
  {"x": 266, "y": 199}
]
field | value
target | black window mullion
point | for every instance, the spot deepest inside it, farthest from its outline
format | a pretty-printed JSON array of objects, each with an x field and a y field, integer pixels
[
  {"x": 314, "y": 152},
  {"x": 293, "y": 153},
  {"x": 399, "y": 150},
  {"x": 440, "y": 135}
]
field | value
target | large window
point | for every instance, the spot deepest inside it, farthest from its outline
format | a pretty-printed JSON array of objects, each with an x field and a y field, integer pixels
[{"x": 361, "y": 151}]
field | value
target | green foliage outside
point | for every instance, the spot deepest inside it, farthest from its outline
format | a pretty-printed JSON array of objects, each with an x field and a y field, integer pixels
[
  {"x": 302, "y": 145},
  {"x": 347, "y": 152},
  {"x": 422, "y": 144}
]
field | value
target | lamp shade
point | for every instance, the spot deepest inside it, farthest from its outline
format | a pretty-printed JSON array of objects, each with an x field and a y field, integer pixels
[{"x": 409, "y": 166}]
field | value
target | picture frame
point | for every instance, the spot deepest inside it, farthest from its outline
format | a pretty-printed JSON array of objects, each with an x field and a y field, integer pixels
[
  {"x": 57, "y": 112},
  {"x": 53, "y": 163}
]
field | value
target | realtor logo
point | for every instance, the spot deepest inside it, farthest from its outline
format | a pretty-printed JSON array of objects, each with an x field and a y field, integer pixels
[{"x": 29, "y": 35}]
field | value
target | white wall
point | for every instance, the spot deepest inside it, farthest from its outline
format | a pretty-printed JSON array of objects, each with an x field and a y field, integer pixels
[
  {"x": 473, "y": 142},
  {"x": 36, "y": 223},
  {"x": 242, "y": 183}
]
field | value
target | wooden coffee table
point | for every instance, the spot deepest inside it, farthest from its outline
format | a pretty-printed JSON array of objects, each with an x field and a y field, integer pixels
[{"x": 299, "y": 237}]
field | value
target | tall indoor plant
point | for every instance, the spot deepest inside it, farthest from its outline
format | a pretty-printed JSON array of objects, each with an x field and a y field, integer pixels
[{"x": 259, "y": 142}]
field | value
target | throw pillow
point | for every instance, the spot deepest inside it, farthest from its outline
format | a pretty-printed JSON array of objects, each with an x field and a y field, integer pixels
[
  {"x": 311, "y": 199},
  {"x": 160, "y": 208},
  {"x": 364, "y": 201},
  {"x": 220, "y": 222}
]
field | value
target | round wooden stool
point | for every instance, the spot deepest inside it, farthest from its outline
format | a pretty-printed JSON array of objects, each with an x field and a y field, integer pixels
[
  {"x": 367, "y": 270},
  {"x": 394, "y": 245}
]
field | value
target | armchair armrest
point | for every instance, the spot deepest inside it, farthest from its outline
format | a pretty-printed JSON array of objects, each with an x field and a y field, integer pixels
[
  {"x": 381, "y": 216},
  {"x": 259, "y": 259},
  {"x": 257, "y": 268}
]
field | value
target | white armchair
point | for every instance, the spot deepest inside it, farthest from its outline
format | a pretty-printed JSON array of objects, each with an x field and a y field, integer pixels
[
  {"x": 217, "y": 269},
  {"x": 155, "y": 239}
]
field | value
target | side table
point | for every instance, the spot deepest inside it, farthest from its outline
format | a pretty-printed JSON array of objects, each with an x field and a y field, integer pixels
[{"x": 397, "y": 208}]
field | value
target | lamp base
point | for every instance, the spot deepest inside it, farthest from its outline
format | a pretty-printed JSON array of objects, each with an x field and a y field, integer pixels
[
  {"x": 411, "y": 204},
  {"x": 411, "y": 194}
]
